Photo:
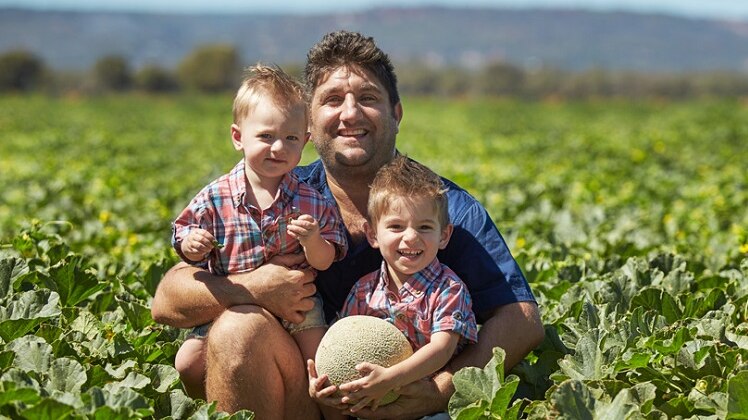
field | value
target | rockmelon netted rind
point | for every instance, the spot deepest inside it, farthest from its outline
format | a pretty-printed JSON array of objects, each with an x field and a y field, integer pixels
[{"x": 360, "y": 338}]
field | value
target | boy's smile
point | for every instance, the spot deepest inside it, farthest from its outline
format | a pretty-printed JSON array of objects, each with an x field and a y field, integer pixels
[{"x": 408, "y": 235}]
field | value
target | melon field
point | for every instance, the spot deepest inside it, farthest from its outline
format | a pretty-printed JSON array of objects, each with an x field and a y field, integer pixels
[{"x": 630, "y": 221}]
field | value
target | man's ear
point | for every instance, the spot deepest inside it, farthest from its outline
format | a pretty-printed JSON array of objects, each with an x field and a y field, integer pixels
[
  {"x": 236, "y": 136},
  {"x": 371, "y": 235},
  {"x": 446, "y": 234},
  {"x": 398, "y": 115}
]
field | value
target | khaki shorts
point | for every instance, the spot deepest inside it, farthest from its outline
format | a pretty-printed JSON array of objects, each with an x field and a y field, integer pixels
[{"x": 315, "y": 318}]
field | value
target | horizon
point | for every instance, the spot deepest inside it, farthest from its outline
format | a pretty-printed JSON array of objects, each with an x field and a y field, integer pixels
[{"x": 723, "y": 9}]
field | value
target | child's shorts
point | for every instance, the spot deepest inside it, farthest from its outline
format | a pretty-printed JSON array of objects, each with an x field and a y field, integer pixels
[{"x": 315, "y": 318}]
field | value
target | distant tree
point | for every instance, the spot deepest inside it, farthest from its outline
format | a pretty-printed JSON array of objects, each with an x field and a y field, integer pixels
[
  {"x": 20, "y": 70},
  {"x": 153, "y": 78},
  {"x": 211, "y": 68},
  {"x": 500, "y": 78},
  {"x": 113, "y": 73}
]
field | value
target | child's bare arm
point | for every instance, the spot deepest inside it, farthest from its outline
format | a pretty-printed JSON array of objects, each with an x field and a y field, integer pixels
[
  {"x": 378, "y": 381},
  {"x": 319, "y": 252},
  {"x": 197, "y": 244}
]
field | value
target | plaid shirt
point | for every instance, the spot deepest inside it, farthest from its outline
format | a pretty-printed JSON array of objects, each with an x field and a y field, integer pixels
[
  {"x": 432, "y": 300},
  {"x": 250, "y": 237}
]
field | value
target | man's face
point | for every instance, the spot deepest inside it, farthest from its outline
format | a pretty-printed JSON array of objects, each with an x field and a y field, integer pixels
[{"x": 353, "y": 124}]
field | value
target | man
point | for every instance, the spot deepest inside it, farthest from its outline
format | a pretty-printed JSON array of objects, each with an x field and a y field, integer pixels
[{"x": 250, "y": 361}]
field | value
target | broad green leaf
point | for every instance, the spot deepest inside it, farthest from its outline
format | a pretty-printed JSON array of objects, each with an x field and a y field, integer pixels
[
  {"x": 32, "y": 353},
  {"x": 26, "y": 311},
  {"x": 485, "y": 387},
  {"x": 737, "y": 396},
  {"x": 66, "y": 375},
  {"x": 12, "y": 392},
  {"x": 48, "y": 408},
  {"x": 10, "y": 269},
  {"x": 138, "y": 315},
  {"x": 175, "y": 404},
  {"x": 162, "y": 377},
  {"x": 72, "y": 280},
  {"x": 573, "y": 401},
  {"x": 133, "y": 380}
]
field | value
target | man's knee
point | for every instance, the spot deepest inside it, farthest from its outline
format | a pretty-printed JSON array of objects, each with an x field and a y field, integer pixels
[{"x": 241, "y": 324}]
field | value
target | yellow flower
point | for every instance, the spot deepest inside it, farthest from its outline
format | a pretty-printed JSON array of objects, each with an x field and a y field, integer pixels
[
  {"x": 744, "y": 248},
  {"x": 520, "y": 242}
]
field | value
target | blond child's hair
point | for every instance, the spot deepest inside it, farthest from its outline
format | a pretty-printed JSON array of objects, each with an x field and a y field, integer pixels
[
  {"x": 406, "y": 178},
  {"x": 261, "y": 81}
]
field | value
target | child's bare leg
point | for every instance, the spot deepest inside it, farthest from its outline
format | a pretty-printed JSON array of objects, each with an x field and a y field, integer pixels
[
  {"x": 190, "y": 363},
  {"x": 308, "y": 341}
]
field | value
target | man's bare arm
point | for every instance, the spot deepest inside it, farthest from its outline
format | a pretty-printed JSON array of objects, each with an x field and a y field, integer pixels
[
  {"x": 515, "y": 327},
  {"x": 188, "y": 296}
]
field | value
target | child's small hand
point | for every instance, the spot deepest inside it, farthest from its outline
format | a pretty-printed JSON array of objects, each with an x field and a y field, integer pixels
[
  {"x": 303, "y": 228},
  {"x": 368, "y": 390},
  {"x": 197, "y": 244}
]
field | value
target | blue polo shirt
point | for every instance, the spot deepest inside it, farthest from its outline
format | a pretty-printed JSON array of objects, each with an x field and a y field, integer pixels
[{"x": 476, "y": 252}]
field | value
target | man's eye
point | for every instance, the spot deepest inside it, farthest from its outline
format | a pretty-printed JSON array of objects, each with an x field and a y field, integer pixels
[
  {"x": 333, "y": 100},
  {"x": 368, "y": 98}
]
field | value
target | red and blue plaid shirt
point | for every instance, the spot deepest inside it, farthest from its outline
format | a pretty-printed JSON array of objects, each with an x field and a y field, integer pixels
[
  {"x": 251, "y": 236},
  {"x": 432, "y": 300}
]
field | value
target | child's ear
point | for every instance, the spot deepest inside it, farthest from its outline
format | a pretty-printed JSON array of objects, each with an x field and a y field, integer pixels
[
  {"x": 236, "y": 136},
  {"x": 371, "y": 235},
  {"x": 307, "y": 136},
  {"x": 446, "y": 234}
]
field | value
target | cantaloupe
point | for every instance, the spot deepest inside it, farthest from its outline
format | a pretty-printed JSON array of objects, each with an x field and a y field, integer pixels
[{"x": 359, "y": 338}]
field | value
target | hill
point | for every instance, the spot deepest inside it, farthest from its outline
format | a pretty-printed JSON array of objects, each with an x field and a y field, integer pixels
[{"x": 567, "y": 39}]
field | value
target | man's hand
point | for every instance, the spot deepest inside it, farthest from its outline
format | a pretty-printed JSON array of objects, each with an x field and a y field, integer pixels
[{"x": 284, "y": 292}]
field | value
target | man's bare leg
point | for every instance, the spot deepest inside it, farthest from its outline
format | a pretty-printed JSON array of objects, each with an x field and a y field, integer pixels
[{"x": 253, "y": 363}]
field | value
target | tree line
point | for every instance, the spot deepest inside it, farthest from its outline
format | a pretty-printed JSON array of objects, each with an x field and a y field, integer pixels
[{"x": 217, "y": 68}]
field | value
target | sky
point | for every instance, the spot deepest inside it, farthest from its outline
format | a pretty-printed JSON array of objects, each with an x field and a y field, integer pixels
[{"x": 726, "y": 9}]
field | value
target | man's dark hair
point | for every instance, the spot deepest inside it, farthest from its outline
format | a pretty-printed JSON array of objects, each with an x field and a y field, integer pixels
[{"x": 344, "y": 48}]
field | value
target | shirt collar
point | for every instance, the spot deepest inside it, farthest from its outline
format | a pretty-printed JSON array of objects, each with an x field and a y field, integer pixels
[
  {"x": 418, "y": 283},
  {"x": 238, "y": 183}
]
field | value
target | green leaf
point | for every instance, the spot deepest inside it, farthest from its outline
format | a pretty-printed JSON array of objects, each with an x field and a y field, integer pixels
[
  {"x": 163, "y": 377},
  {"x": 33, "y": 354},
  {"x": 26, "y": 311},
  {"x": 737, "y": 396},
  {"x": 10, "y": 269},
  {"x": 573, "y": 400},
  {"x": 48, "y": 408},
  {"x": 12, "y": 392},
  {"x": 485, "y": 388},
  {"x": 175, "y": 404},
  {"x": 66, "y": 375},
  {"x": 138, "y": 315},
  {"x": 73, "y": 281}
]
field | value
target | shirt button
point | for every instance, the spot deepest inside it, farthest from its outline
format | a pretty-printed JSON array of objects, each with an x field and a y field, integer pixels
[
  {"x": 457, "y": 316},
  {"x": 401, "y": 316}
]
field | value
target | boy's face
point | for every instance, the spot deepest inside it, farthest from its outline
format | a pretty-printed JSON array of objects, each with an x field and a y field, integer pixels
[
  {"x": 408, "y": 235},
  {"x": 271, "y": 139}
]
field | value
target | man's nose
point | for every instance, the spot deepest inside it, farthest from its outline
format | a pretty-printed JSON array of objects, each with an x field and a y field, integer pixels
[{"x": 350, "y": 108}]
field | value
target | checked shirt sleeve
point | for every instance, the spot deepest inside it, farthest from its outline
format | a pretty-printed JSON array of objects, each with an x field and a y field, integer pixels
[{"x": 453, "y": 311}]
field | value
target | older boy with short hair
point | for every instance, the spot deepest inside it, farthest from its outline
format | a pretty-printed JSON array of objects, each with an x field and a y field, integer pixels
[
  {"x": 408, "y": 222},
  {"x": 260, "y": 209}
]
